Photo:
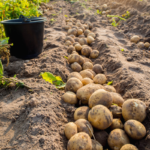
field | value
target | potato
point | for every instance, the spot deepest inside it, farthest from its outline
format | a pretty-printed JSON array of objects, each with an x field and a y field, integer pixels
[
  {"x": 70, "y": 97},
  {"x": 96, "y": 145},
  {"x": 110, "y": 88},
  {"x": 86, "y": 74},
  {"x": 75, "y": 43},
  {"x": 90, "y": 25},
  {"x": 101, "y": 137},
  {"x": 86, "y": 51},
  {"x": 90, "y": 39},
  {"x": 80, "y": 141},
  {"x": 117, "y": 138},
  {"x": 71, "y": 49},
  {"x": 87, "y": 65},
  {"x": 82, "y": 27},
  {"x": 86, "y": 27},
  {"x": 129, "y": 147},
  {"x": 69, "y": 38},
  {"x": 81, "y": 36},
  {"x": 86, "y": 32},
  {"x": 117, "y": 99},
  {"x": 76, "y": 67},
  {"x": 147, "y": 45},
  {"x": 66, "y": 27},
  {"x": 83, "y": 41},
  {"x": 98, "y": 69},
  {"x": 92, "y": 34},
  {"x": 116, "y": 124},
  {"x": 84, "y": 126},
  {"x": 116, "y": 111},
  {"x": 94, "y": 74},
  {"x": 100, "y": 97},
  {"x": 72, "y": 31},
  {"x": 100, "y": 117},
  {"x": 86, "y": 91},
  {"x": 75, "y": 58},
  {"x": 77, "y": 39},
  {"x": 79, "y": 32},
  {"x": 86, "y": 81},
  {"x": 70, "y": 24},
  {"x": 75, "y": 75},
  {"x": 67, "y": 20},
  {"x": 94, "y": 54},
  {"x": 78, "y": 24},
  {"x": 135, "y": 129},
  {"x": 72, "y": 36},
  {"x": 73, "y": 84},
  {"x": 100, "y": 79},
  {"x": 78, "y": 47},
  {"x": 68, "y": 43},
  {"x": 135, "y": 39},
  {"x": 74, "y": 52},
  {"x": 134, "y": 109},
  {"x": 70, "y": 129},
  {"x": 140, "y": 45},
  {"x": 81, "y": 113}
]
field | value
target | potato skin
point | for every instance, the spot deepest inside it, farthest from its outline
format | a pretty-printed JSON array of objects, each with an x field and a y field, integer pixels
[
  {"x": 86, "y": 81},
  {"x": 135, "y": 129},
  {"x": 101, "y": 137},
  {"x": 72, "y": 31},
  {"x": 94, "y": 54},
  {"x": 75, "y": 75},
  {"x": 75, "y": 58},
  {"x": 86, "y": 74},
  {"x": 70, "y": 49},
  {"x": 100, "y": 117},
  {"x": 116, "y": 111},
  {"x": 80, "y": 141},
  {"x": 81, "y": 113},
  {"x": 70, "y": 129},
  {"x": 100, "y": 79},
  {"x": 73, "y": 84},
  {"x": 86, "y": 51},
  {"x": 116, "y": 124},
  {"x": 70, "y": 97},
  {"x": 86, "y": 91},
  {"x": 83, "y": 126},
  {"x": 98, "y": 69},
  {"x": 117, "y": 138},
  {"x": 78, "y": 47},
  {"x": 76, "y": 67},
  {"x": 83, "y": 41},
  {"x": 69, "y": 38},
  {"x": 129, "y": 147},
  {"x": 117, "y": 99},
  {"x": 87, "y": 65},
  {"x": 94, "y": 74},
  {"x": 100, "y": 97},
  {"x": 90, "y": 39},
  {"x": 96, "y": 145},
  {"x": 86, "y": 32},
  {"x": 110, "y": 88},
  {"x": 134, "y": 109}
]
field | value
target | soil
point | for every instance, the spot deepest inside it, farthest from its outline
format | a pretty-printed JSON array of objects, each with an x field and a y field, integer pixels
[{"x": 36, "y": 119}]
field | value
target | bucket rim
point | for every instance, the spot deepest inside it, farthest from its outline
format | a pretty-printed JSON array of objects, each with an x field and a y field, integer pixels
[{"x": 38, "y": 20}]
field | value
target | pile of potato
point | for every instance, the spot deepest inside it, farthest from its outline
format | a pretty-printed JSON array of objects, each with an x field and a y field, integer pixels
[{"x": 104, "y": 115}]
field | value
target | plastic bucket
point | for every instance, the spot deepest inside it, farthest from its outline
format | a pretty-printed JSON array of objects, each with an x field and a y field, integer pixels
[{"x": 26, "y": 36}]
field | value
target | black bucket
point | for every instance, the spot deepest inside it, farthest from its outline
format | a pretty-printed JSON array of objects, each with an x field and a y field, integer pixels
[{"x": 26, "y": 36}]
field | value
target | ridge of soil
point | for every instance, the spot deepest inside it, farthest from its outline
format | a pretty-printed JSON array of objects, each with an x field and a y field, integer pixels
[{"x": 35, "y": 119}]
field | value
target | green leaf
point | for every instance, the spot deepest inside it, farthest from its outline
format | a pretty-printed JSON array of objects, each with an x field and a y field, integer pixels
[
  {"x": 122, "y": 49},
  {"x": 114, "y": 104},
  {"x": 61, "y": 86},
  {"x": 15, "y": 76},
  {"x": 110, "y": 83},
  {"x": 4, "y": 41},
  {"x": 1, "y": 68},
  {"x": 66, "y": 16},
  {"x": 66, "y": 57}
]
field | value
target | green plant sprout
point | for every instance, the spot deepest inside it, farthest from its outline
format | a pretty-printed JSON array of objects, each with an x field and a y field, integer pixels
[
  {"x": 56, "y": 80},
  {"x": 122, "y": 50},
  {"x": 52, "y": 20},
  {"x": 99, "y": 12},
  {"x": 66, "y": 57},
  {"x": 110, "y": 82},
  {"x": 126, "y": 15},
  {"x": 66, "y": 16}
]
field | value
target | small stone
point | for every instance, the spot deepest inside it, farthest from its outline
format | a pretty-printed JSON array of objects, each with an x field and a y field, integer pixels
[
  {"x": 147, "y": 44},
  {"x": 129, "y": 58},
  {"x": 141, "y": 45},
  {"x": 135, "y": 38}
]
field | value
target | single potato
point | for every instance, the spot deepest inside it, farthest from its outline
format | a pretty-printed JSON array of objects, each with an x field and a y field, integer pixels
[
  {"x": 69, "y": 38},
  {"x": 83, "y": 41},
  {"x": 100, "y": 79},
  {"x": 86, "y": 51},
  {"x": 116, "y": 124},
  {"x": 116, "y": 111},
  {"x": 68, "y": 43},
  {"x": 92, "y": 34},
  {"x": 86, "y": 32},
  {"x": 135, "y": 39},
  {"x": 86, "y": 81},
  {"x": 134, "y": 109},
  {"x": 75, "y": 58},
  {"x": 94, "y": 74},
  {"x": 72, "y": 31},
  {"x": 86, "y": 74},
  {"x": 129, "y": 147},
  {"x": 80, "y": 141},
  {"x": 94, "y": 54},
  {"x": 117, "y": 138},
  {"x": 110, "y": 88},
  {"x": 100, "y": 97},
  {"x": 84, "y": 126},
  {"x": 87, "y": 65},
  {"x": 86, "y": 91},
  {"x": 73, "y": 84},
  {"x": 79, "y": 32},
  {"x": 70, "y": 97},
  {"x": 90, "y": 39},
  {"x": 135, "y": 129},
  {"x": 98, "y": 69},
  {"x": 100, "y": 117},
  {"x": 78, "y": 47},
  {"x": 81, "y": 113},
  {"x": 76, "y": 67},
  {"x": 71, "y": 49},
  {"x": 70, "y": 130}
]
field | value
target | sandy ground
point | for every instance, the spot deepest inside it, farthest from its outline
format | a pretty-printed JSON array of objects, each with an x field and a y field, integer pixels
[{"x": 35, "y": 119}]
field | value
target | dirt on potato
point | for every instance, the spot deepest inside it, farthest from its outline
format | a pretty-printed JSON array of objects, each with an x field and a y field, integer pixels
[{"x": 35, "y": 120}]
